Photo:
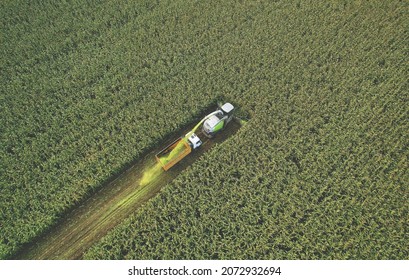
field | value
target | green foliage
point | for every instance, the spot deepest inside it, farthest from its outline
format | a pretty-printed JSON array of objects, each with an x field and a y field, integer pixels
[
  {"x": 318, "y": 172},
  {"x": 83, "y": 89}
]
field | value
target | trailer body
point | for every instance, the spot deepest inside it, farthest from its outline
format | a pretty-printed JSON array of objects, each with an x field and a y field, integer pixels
[{"x": 173, "y": 153}]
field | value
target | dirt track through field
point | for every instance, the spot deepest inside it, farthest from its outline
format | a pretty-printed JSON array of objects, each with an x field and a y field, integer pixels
[{"x": 114, "y": 202}]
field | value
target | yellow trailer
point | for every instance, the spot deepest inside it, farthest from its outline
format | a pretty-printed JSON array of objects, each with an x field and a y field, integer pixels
[{"x": 173, "y": 153}]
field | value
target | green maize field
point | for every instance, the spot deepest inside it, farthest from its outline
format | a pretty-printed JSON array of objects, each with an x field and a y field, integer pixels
[{"x": 319, "y": 171}]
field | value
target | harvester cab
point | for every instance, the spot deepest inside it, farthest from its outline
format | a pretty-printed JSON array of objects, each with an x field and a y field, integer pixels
[{"x": 218, "y": 120}]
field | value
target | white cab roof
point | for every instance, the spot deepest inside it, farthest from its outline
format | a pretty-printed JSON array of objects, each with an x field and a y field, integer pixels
[
  {"x": 227, "y": 107},
  {"x": 194, "y": 138}
]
